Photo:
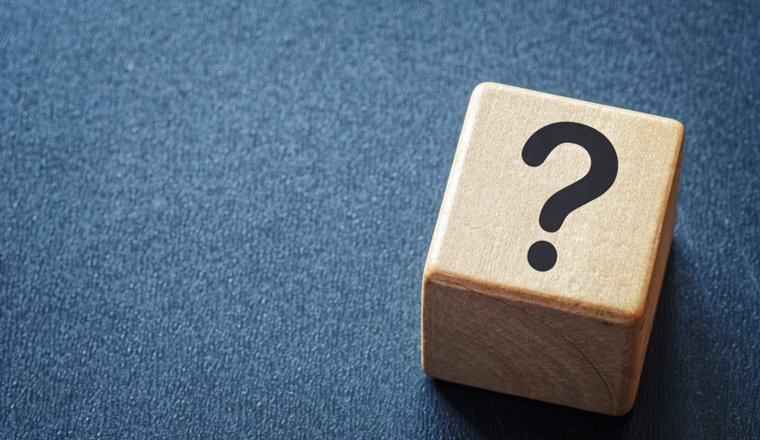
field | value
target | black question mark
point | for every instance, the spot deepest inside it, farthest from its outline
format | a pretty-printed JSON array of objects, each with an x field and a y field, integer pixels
[{"x": 604, "y": 166}]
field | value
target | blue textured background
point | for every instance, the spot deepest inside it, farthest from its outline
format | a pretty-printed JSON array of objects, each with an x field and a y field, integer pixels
[{"x": 214, "y": 215}]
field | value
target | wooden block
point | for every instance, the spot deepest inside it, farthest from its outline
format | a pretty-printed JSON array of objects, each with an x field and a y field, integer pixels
[{"x": 498, "y": 312}]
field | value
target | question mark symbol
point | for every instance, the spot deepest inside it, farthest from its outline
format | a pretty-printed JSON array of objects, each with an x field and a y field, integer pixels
[{"x": 542, "y": 255}]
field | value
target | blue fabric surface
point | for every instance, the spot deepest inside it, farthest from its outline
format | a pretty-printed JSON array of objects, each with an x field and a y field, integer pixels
[{"x": 214, "y": 215}]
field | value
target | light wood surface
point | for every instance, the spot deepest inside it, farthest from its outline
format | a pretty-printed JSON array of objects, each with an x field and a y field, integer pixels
[{"x": 574, "y": 334}]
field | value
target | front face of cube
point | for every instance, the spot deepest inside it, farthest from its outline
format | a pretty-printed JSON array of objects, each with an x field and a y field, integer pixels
[{"x": 546, "y": 260}]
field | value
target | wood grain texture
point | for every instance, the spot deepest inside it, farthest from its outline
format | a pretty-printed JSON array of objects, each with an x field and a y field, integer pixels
[{"x": 575, "y": 334}]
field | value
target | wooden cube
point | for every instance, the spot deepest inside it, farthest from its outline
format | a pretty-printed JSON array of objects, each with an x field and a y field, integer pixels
[{"x": 542, "y": 296}]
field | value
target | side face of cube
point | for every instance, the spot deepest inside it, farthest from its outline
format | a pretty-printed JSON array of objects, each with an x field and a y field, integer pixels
[
  {"x": 508, "y": 346},
  {"x": 576, "y": 333}
]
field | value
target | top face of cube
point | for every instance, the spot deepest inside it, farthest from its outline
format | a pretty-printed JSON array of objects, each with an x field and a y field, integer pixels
[{"x": 489, "y": 219}]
